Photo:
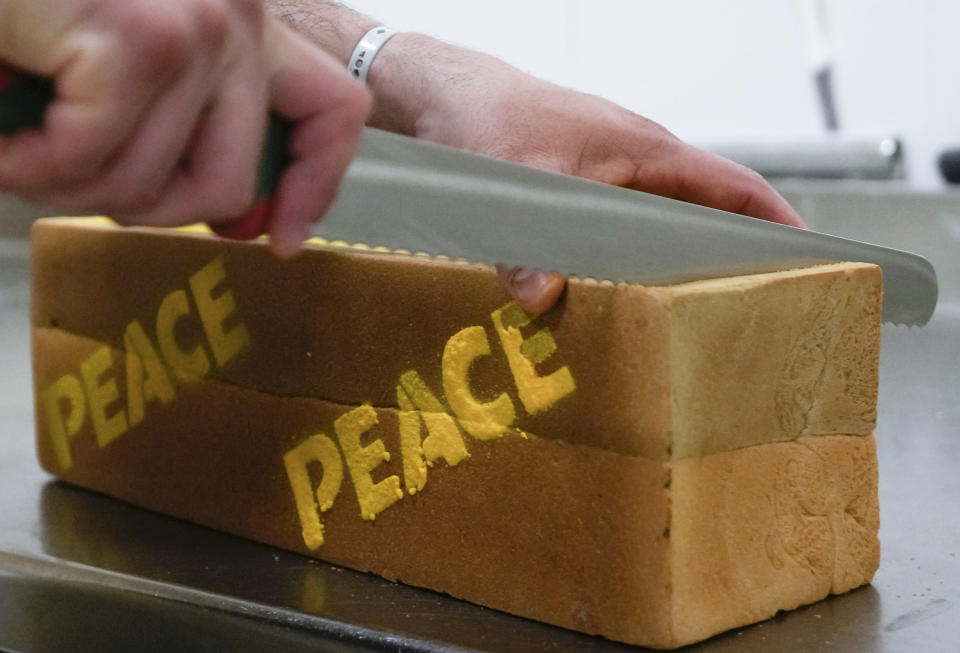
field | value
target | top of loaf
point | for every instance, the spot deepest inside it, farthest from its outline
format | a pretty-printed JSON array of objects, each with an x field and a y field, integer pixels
[
  {"x": 317, "y": 242},
  {"x": 660, "y": 372}
]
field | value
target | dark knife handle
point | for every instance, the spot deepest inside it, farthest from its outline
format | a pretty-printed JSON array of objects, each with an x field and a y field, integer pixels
[
  {"x": 274, "y": 160},
  {"x": 24, "y": 99}
]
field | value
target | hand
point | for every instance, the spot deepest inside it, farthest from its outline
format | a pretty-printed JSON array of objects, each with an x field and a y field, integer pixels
[
  {"x": 475, "y": 102},
  {"x": 161, "y": 109}
]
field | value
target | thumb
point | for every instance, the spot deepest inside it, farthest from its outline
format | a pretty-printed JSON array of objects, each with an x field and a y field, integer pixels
[{"x": 533, "y": 290}]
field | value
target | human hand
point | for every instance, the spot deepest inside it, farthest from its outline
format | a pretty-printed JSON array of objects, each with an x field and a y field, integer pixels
[
  {"x": 475, "y": 102},
  {"x": 161, "y": 110}
]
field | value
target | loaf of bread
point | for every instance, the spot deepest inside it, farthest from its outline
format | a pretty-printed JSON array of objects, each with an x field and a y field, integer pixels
[{"x": 651, "y": 464}]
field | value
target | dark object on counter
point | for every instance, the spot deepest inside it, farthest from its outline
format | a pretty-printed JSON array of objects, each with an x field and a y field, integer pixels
[{"x": 949, "y": 164}]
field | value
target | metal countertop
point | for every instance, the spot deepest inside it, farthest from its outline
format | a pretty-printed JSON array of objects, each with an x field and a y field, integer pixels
[{"x": 80, "y": 571}]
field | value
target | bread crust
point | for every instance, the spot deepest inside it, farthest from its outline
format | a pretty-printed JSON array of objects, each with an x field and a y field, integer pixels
[
  {"x": 707, "y": 462},
  {"x": 658, "y": 553},
  {"x": 662, "y": 372}
]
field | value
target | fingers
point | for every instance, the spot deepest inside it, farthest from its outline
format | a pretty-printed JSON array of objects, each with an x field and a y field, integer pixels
[
  {"x": 165, "y": 126},
  {"x": 215, "y": 180},
  {"x": 533, "y": 290},
  {"x": 79, "y": 136},
  {"x": 103, "y": 92},
  {"x": 686, "y": 173},
  {"x": 138, "y": 179},
  {"x": 329, "y": 109},
  {"x": 158, "y": 117}
]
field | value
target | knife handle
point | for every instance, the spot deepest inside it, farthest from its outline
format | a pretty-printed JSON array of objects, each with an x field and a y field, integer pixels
[{"x": 25, "y": 97}]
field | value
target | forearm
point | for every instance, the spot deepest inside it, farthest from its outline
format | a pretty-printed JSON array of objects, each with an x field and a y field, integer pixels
[
  {"x": 410, "y": 72},
  {"x": 472, "y": 101}
]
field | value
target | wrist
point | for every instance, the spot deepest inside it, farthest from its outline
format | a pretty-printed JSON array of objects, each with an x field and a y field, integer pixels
[
  {"x": 412, "y": 76},
  {"x": 396, "y": 79},
  {"x": 418, "y": 83},
  {"x": 401, "y": 82},
  {"x": 336, "y": 29}
]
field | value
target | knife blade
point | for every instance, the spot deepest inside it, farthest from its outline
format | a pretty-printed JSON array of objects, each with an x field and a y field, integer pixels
[{"x": 408, "y": 194}]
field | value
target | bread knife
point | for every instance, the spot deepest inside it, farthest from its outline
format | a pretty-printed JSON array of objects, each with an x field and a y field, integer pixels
[{"x": 409, "y": 194}]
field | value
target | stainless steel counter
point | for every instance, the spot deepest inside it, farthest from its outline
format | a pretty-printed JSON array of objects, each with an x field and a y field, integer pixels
[{"x": 79, "y": 571}]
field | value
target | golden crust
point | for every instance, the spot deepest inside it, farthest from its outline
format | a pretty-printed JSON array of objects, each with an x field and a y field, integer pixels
[
  {"x": 671, "y": 461},
  {"x": 663, "y": 372},
  {"x": 658, "y": 553}
]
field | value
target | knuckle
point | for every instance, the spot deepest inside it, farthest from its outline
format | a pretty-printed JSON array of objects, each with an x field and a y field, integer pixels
[
  {"x": 353, "y": 107},
  {"x": 358, "y": 100},
  {"x": 250, "y": 10},
  {"x": 227, "y": 202},
  {"x": 135, "y": 198},
  {"x": 755, "y": 185},
  {"x": 212, "y": 23},
  {"x": 752, "y": 177},
  {"x": 637, "y": 123},
  {"x": 123, "y": 193},
  {"x": 751, "y": 189},
  {"x": 165, "y": 42},
  {"x": 351, "y": 104},
  {"x": 78, "y": 166}
]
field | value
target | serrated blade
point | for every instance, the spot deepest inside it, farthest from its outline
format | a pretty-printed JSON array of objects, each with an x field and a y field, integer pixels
[{"x": 408, "y": 194}]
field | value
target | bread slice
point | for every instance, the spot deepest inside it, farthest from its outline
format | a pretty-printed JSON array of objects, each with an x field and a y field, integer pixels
[{"x": 652, "y": 464}]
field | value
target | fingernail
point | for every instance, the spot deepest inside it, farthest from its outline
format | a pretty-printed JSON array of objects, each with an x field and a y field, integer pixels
[
  {"x": 527, "y": 284},
  {"x": 290, "y": 237},
  {"x": 284, "y": 244}
]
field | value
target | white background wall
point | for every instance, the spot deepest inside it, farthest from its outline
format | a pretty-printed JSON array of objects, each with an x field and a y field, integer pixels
[{"x": 725, "y": 71}]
